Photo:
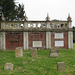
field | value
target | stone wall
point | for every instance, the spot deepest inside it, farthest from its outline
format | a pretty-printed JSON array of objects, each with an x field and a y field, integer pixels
[{"x": 36, "y": 34}]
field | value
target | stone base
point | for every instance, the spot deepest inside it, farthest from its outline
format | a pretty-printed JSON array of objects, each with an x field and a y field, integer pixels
[
  {"x": 8, "y": 66},
  {"x": 19, "y": 52},
  {"x": 34, "y": 53},
  {"x": 61, "y": 66},
  {"x": 53, "y": 54}
]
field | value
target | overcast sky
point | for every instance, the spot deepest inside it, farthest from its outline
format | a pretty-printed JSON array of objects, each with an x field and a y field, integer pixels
[{"x": 57, "y": 9}]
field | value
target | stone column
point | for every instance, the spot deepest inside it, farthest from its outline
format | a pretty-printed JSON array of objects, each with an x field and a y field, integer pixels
[
  {"x": 48, "y": 36},
  {"x": 2, "y": 41},
  {"x": 25, "y": 24},
  {"x": 69, "y": 24},
  {"x": 25, "y": 40},
  {"x": 48, "y": 39},
  {"x": 48, "y": 24},
  {"x": 70, "y": 39}
]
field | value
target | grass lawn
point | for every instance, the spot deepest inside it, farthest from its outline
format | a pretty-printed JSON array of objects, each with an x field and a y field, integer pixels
[
  {"x": 42, "y": 65},
  {"x": 74, "y": 45}
]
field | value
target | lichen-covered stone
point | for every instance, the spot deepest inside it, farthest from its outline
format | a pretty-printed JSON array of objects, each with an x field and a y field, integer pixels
[
  {"x": 19, "y": 52},
  {"x": 8, "y": 66},
  {"x": 34, "y": 53},
  {"x": 54, "y": 52},
  {"x": 61, "y": 66}
]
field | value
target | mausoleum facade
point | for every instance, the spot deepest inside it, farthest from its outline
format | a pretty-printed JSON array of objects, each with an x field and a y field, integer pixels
[{"x": 36, "y": 34}]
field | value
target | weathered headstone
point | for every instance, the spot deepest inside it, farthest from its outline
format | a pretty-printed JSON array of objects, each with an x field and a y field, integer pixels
[
  {"x": 54, "y": 52},
  {"x": 61, "y": 66},
  {"x": 8, "y": 66},
  {"x": 34, "y": 53},
  {"x": 19, "y": 52}
]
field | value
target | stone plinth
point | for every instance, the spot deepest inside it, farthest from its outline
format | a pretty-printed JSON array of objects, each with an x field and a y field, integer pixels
[
  {"x": 61, "y": 66},
  {"x": 34, "y": 53},
  {"x": 54, "y": 52},
  {"x": 19, "y": 52},
  {"x": 8, "y": 66}
]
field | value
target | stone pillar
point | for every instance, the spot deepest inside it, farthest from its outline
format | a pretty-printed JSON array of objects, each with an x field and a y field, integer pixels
[
  {"x": 2, "y": 41},
  {"x": 69, "y": 24},
  {"x": 25, "y": 40},
  {"x": 48, "y": 24},
  {"x": 25, "y": 24},
  {"x": 70, "y": 39},
  {"x": 48, "y": 39}
]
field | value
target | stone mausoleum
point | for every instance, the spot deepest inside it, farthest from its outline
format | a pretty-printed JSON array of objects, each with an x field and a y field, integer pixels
[{"x": 36, "y": 34}]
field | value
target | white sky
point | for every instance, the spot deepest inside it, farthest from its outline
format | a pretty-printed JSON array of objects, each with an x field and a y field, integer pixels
[{"x": 57, "y": 9}]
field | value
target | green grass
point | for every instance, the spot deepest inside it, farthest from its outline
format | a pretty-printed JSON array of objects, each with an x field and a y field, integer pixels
[
  {"x": 41, "y": 65},
  {"x": 74, "y": 45}
]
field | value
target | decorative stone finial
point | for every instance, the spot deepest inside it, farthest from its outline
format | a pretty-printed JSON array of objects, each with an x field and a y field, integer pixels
[
  {"x": 69, "y": 18},
  {"x": 47, "y": 18},
  {"x": 26, "y": 18},
  {"x": 3, "y": 18}
]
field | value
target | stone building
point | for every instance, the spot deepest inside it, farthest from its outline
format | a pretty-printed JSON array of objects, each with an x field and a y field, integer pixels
[{"x": 36, "y": 34}]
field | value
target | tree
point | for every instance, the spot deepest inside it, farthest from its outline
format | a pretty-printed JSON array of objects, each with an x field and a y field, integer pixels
[
  {"x": 12, "y": 11},
  {"x": 8, "y": 9},
  {"x": 20, "y": 12},
  {"x": 74, "y": 34}
]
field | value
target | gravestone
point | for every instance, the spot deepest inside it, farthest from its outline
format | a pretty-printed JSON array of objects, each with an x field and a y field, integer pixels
[
  {"x": 61, "y": 66},
  {"x": 54, "y": 52},
  {"x": 34, "y": 53},
  {"x": 8, "y": 66},
  {"x": 19, "y": 52}
]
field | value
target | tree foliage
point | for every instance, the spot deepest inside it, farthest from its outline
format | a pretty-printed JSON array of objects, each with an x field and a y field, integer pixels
[
  {"x": 12, "y": 11},
  {"x": 20, "y": 12},
  {"x": 74, "y": 34}
]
